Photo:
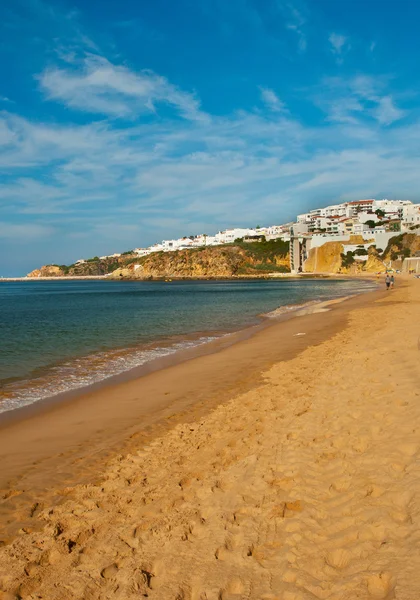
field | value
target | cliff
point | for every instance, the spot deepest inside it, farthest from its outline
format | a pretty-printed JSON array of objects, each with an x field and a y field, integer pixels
[
  {"x": 324, "y": 259},
  {"x": 333, "y": 257},
  {"x": 240, "y": 260},
  {"x": 230, "y": 260},
  {"x": 93, "y": 266},
  {"x": 47, "y": 271},
  {"x": 402, "y": 246}
]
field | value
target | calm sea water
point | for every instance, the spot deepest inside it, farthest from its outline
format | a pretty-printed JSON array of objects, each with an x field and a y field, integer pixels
[{"x": 60, "y": 335}]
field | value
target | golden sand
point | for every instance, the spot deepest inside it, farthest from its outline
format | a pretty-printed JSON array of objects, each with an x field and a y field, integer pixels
[{"x": 304, "y": 485}]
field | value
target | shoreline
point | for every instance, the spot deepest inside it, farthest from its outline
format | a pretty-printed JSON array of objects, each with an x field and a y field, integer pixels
[
  {"x": 17, "y": 397},
  {"x": 50, "y": 445},
  {"x": 287, "y": 467},
  {"x": 272, "y": 275}
]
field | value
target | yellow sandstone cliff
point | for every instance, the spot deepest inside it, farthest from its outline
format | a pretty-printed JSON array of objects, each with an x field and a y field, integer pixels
[
  {"x": 328, "y": 259},
  {"x": 231, "y": 260},
  {"x": 47, "y": 271},
  {"x": 212, "y": 262},
  {"x": 325, "y": 259}
]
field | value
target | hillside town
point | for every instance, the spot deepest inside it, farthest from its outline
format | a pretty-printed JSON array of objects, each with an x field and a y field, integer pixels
[{"x": 374, "y": 221}]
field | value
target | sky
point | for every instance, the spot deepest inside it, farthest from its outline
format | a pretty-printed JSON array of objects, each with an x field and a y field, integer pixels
[{"x": 123, "y": 123}]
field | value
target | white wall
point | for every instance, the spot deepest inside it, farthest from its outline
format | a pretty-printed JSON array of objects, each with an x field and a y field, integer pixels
[
  {"x": 299, "y": 228},
  {"x": 382, "y": 238},
  {"x": 320, "y": 239}
]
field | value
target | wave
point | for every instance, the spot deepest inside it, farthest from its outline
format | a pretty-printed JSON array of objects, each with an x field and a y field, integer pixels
[
  {"x": 84, "y": 371},
  {"x": 81, "y": 372}
]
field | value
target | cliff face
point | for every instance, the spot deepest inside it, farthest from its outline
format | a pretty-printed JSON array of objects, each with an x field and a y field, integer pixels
[
  {"x": 374, "y": 263},
  {"x": 91, "y": 267},
  {"x": 404, "y": 245},
  {"x": 328, "y": 259},
  {"x": 212, "y": 262},
  {"x": 47, "y": 271},
  {"x": 215, "y": 261},
  {"x": 325, "y": 259}
]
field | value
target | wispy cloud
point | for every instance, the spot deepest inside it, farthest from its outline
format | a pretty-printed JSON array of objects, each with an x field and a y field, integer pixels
[
  {"x": 98, "y": 86},
  {"x": 272, "y": 101},
  {"x": 296, "y": 22},
  {"x": 339, "y": 43},
  {"x": 115, "y": 155},
  {"x": 240, "y": 166},
  {"x": 359, "y": 99},
  {"x": 386, "y": 112}
]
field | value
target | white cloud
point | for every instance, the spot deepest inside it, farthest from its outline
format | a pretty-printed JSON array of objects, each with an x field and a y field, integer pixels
[
  {"x": 296, "y": 23},
  {"x": 338, "y": 44},
  {"x": 165, "y": 177},
  {"x": 272, "y": 101},
  {"x": 386, "y": 111},
  {"x": 99, "y": 86},
  {"x": 358, "y": 99}
]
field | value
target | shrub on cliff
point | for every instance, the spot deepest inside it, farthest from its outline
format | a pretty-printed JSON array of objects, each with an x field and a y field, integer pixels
[
  {"x": 347, "y": 259},
  {"x": 265, "y": 250}
]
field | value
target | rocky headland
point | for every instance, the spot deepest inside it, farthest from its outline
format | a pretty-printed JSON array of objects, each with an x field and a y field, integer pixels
[
  {"x": 256, "y": 259},
  {"x": 230, "y": 260}
]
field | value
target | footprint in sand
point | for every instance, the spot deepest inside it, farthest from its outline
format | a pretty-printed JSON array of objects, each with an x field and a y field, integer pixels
[
  {"x": 339, "y": 558},
  {"x": 381, "y": 586}
]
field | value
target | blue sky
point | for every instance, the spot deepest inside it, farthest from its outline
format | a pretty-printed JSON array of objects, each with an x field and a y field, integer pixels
[{"x": 124, "y": 123}]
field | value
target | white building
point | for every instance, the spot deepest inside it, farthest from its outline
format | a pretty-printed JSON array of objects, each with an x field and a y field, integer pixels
[
  {"x": 411, "y": 215},
  {"x": 230, "y": 235},
  {"x": 156, "y": 248},
  {"x": 335, "y": 210},
  {"x": 299, "y": 228},
  {"x": 211, "y": 240},
  {"x": 303, "y": 218},
  {"x": 142, "y": 251},
  {"x": 356, "y": 206},
  {"x": 335, "y": 222},
  {"x": 359, "y": 228},
  {"x": 391, "y": 206}
]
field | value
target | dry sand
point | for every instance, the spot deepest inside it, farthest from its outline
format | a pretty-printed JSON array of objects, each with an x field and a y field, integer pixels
[{"x": 303, "y": 485}]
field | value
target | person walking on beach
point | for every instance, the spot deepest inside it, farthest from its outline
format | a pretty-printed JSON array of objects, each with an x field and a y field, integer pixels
[
  {"x": 392, "y": 281},
  {"x": 387, "y": 281}
]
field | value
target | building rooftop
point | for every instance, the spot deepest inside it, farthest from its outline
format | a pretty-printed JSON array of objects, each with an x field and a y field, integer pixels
[{"x": 361, "y": 202}]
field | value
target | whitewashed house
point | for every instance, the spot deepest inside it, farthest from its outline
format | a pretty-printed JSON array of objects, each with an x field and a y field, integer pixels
[
  {"x": 142, "y": 251},
  {"x": 411, "y": 215}
]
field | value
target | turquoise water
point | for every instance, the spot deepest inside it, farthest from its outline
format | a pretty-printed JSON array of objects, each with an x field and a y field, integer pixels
[{"x": 60, "y": 335}]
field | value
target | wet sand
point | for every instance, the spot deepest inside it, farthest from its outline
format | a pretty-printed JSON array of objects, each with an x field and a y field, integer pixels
[
  {"x": 67, "y": 439},
  {"x": 284, "y": 466}
]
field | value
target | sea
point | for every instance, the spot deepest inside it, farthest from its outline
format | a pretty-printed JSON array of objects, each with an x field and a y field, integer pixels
[{"x": 58, "y": 336}]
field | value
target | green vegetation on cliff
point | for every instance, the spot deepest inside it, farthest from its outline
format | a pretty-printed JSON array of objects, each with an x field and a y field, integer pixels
[
  {"x": 266, "y": 251},
  {"x": 229, "y": 260}
]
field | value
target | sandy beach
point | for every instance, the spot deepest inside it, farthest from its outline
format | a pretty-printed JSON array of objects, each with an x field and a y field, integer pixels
[{"x": 283, "y": 467}]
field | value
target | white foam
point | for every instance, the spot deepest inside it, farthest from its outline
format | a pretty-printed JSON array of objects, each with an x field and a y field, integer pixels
[{"x": 85, "y": 371}]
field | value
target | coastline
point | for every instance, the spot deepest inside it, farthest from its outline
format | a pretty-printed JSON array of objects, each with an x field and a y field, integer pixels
[
  {"x": 77, "y": 374},
  {"x": 66, "y": 439},
  {"x": 296, "y": 476},
  {"x": 282, "y": 470},
  {"x": 272, "y": 275}
]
